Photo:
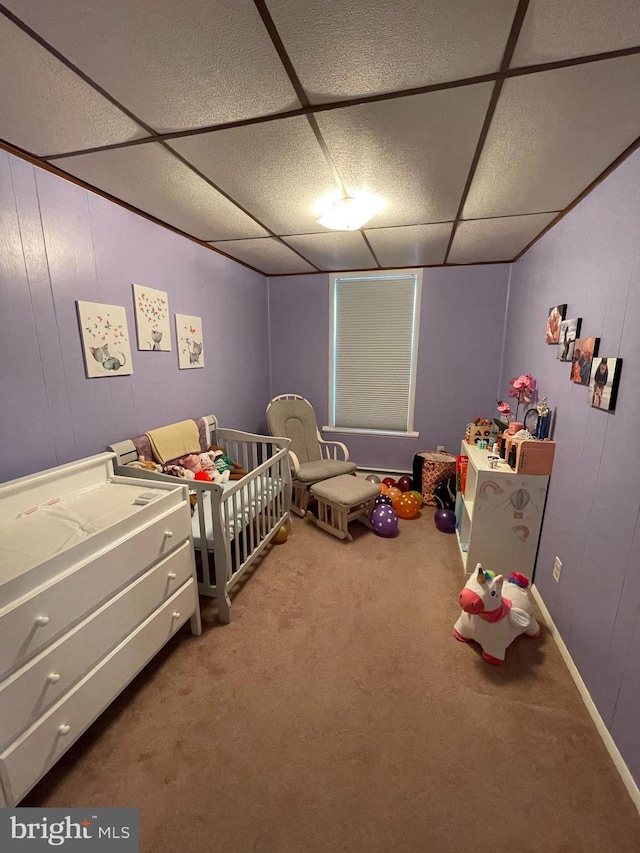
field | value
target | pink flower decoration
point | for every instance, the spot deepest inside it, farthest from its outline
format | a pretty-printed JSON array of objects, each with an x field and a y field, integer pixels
[{"x": 521, "y": 389}]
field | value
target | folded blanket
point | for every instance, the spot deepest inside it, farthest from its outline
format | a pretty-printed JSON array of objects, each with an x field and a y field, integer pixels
[{"x": 174, "y": 440}]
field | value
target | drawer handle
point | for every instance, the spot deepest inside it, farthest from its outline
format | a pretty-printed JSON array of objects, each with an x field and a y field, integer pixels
[
  {"x": 41, "y": 621},
  {"x": 53, "y": 677},
  {"x": 64, "y": 729},
  {"x": 168, "y": 534},
  {"x": 171, "y": 576},
  {"x": 176, "y": 614}
]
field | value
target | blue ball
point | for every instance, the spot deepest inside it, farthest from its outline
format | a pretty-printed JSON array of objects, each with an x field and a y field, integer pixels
[{"x": 384, "y": 520}]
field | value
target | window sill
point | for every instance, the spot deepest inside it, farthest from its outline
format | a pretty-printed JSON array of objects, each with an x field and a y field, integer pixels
[{"x": 381, "y": 432}]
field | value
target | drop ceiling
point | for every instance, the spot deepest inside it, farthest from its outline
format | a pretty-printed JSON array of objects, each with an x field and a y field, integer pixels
[{"x": 480, "y": 123}]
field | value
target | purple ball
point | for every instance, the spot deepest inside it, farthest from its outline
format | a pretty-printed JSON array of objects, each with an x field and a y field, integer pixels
[
  {"x": 384, "y": 520},
  {"x": 445, "y": 520}
]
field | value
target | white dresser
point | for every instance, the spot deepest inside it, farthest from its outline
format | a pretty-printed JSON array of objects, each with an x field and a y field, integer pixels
[{"x": 93, "y": 582}]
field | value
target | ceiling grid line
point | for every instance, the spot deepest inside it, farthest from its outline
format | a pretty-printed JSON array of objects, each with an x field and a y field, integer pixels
[
  {"x": 278, "y": 44},
  {"x": 635, "y": 146},
  {"x": 518, "y": 20},
  {"x": 54, "y": 170},
  {"x": 313, "y": 109},
  {"x": 370, "y": 247},
  {"x": 72, "y": 67},
  {"x": 272, "y": 234}
]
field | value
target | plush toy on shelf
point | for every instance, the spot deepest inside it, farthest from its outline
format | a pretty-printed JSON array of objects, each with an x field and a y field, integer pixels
[{"x": 494, "y": 613}]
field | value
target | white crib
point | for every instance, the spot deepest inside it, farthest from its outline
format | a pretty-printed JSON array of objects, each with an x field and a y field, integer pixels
[{"x": 232, "y": 523}]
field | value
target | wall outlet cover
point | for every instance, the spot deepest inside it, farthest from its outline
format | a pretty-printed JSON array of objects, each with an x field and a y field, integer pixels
[{"x": 557, "y": 568}]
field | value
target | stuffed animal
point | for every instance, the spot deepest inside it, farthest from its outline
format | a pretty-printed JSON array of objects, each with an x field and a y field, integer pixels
[
  {"x": 145, "y": 464},
  {"x": 193, "y": 462},
  {"x": 236, "y": 471},
  {"x": 495, "y": 613},
  {"x": 178, "y": 471}
]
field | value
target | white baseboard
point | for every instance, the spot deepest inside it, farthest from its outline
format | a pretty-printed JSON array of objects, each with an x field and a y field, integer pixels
[{"x": 603, "y": 731}]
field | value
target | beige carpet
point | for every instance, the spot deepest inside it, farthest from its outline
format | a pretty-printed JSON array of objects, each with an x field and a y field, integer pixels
[{"x": 337, "y": 713}]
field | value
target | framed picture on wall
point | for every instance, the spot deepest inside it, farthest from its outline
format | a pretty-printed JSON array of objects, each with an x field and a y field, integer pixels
[
  {"x": 105, "y": 339},
  {"x": 583, "y": 352},
  {"x": 152, "y": 319},
  {"x": 605, "y": 377},
  {"x": 189, "y": 341},
  {"x": 556, "y": 315},
  {"x": 569, "y": 331}
]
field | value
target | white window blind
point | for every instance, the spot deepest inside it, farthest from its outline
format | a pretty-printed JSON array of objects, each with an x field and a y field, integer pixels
[{"x": 375, "y": 319}]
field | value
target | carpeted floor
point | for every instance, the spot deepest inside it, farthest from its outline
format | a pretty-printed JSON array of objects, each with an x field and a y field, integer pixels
[{"x": 337, "y": 713}]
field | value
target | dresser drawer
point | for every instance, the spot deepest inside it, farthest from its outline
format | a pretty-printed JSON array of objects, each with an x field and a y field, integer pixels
[
  {"x": 29, "y": 757},
  {"x": 29, "y": 691},
  {"x": 31, "y": 623}
]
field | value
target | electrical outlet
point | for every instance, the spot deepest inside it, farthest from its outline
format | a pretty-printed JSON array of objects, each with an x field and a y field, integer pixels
[
  {"x": 557, "y": 568},
  {"x": 440, "y": 447}
]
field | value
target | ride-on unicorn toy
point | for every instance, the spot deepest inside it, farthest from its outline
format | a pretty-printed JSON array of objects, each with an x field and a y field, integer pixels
[{"x": 494, "y": 616}]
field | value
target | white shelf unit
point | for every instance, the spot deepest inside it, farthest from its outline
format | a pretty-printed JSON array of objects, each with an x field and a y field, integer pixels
[
  {"x": 499, "y": 516},
  {"x": 97, "y": 573}
]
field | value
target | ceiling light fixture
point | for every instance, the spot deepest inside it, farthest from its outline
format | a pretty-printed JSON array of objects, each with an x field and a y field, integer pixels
[{"x": 350, "y": 213}]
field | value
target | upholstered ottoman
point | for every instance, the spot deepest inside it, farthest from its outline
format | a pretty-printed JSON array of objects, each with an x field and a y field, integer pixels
[{"x": 341, "y": 500}]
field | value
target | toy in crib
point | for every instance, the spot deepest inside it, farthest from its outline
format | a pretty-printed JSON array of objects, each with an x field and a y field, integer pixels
[
  {"x": 145, "y": 464},
  {"x": 494, "y": 613},
  {"x": 203, "y": 467},
  {"x": 225, "y": 463}
]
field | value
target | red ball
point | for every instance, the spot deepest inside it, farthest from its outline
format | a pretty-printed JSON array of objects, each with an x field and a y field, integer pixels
[
  {"x": 389, "y": 481},
  {"x": 405, "y": 484}
]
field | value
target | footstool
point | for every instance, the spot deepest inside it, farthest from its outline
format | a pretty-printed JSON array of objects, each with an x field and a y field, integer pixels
[{"x": 341, "y": 500}]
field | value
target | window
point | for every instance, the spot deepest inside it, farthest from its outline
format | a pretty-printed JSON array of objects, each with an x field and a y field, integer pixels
[{"x": 373, "y": 351}]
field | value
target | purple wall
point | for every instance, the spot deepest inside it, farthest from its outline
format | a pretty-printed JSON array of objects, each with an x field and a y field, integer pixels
[
  {"x": 591, "y": 261},
  {"x": 60, "y": 243},
  {"x": 461, "y": 335}
]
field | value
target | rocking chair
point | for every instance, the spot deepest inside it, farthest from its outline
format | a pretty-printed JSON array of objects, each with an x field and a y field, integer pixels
[{"x": 312, "y": 458}]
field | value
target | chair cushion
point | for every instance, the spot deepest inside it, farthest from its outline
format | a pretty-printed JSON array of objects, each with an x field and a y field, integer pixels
[
  {"x": 323, "y": 469},
  {"x": 296, "y": 420},
  {"x": 345, "y": 490}
]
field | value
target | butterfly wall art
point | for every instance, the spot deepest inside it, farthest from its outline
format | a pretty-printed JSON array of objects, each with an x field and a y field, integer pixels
[
  {"x": 152, "y": 319},
  {"x": 190, "y": 343},
  {"x": 105, "y": 339}
]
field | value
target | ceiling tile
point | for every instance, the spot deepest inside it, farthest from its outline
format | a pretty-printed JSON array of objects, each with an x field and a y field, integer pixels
[
  {"x": 269, "y": 255},
  {"x": 552, "y": 134},
  {"x": 178, "y": 65},
  {"x": 411, "y": 245},
  {"x": 45, "y": 107},
  {"x": 415, "y": 152},
  {"x": 553, "y": 30},
  {"x": 362, "y": 47},
  {"x": 334, "y": 250},
  {"x": 150, "y": 178},
  {"x": 495, "y": 239},
  {"x": 274, "y": 169}
]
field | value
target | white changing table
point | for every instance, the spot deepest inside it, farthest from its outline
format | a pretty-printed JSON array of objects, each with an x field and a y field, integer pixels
[{"x": 92, "y": 585}]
